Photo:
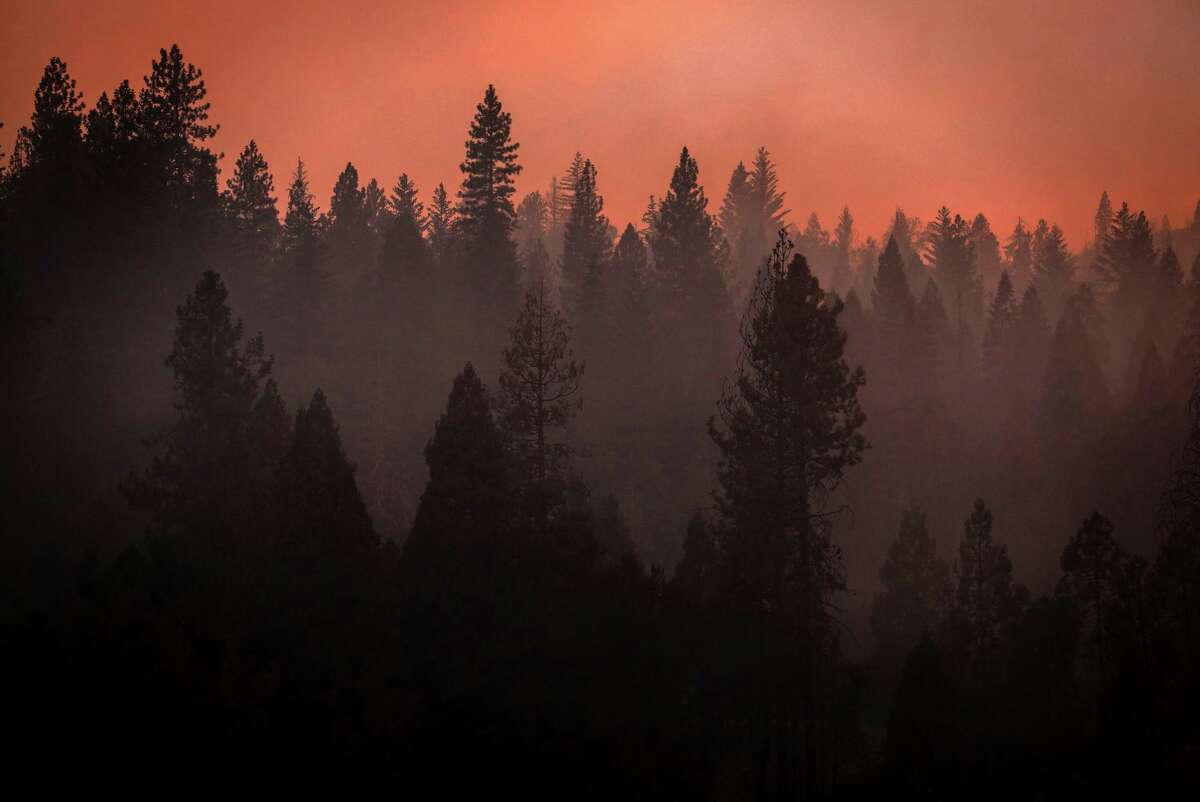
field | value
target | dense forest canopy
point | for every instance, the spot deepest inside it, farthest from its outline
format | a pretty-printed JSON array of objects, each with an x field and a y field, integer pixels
[{"x": 472, "y": 484}]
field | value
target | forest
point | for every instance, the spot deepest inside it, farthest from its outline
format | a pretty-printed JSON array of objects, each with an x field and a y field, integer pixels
[{"x": 462, "y": 489}]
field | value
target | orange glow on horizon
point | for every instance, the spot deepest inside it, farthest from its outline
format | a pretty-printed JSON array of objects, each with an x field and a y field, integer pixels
[{"x": 1009, "y": 108}]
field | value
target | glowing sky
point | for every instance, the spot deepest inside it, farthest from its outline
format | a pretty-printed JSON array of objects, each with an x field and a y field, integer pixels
[{"x": 1011, "y": 108}]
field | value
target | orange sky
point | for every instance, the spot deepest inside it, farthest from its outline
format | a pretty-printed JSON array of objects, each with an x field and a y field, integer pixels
[{"x": 1012, "y": 108}]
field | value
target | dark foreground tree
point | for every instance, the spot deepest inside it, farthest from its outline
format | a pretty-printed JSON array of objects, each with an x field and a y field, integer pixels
[{"x": 788, "y": 428}]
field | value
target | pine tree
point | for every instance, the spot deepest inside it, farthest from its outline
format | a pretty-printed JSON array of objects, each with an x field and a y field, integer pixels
[
  {"x": 467, "y": 501},
  {"x": 485, "y": 209},
  {"x": 443, "y": 221},
  {"x": 300, "y": 280},
  {"x": 348, "y": 235},
  {"x": 1127, "y": 260},
  {"x": 54, "y": 133},
  {"x": 564, "y": 197},
  {"x": 788, "y": 428},
  {"x": 1053, "y": 270},
  {"x": 325, "y": 519},
  {"x": 254, "y": 219},
  {"x": 376, "y": 211},
  {"x": 538, "y": 397},
  {"x": 815, "y": 244},
  {"x": 734, "y": 213},
  {"x": 998, "y": 338},
  {"x": 766, "y": 215},
  {"x": 932, "y": 334},
  {"x": 174, "y": 126},
  {"x": 952, "y": 260},
  {"x": 910, "y": 239},
  {"x": 1092, "y": 563},
  {"x": 405, "y": 262},
  {"x": 739, "y": 224},
  {"x": 915, "y": 591},
  {"x": 112, "y": 127},
  {"x": 987, "y": 249},
  {"x": 405, "y": 202},
  {"x": 198, "y": 485},
  {"x": 685, "y": 239},
  {"x": 533, "y": 221},
  {"x": 1103, "y": 222},
  {"x": 986, "y": 602},
  {"x": 689, "y": 256},
  {"x": 586, "y": 245},
  {"x": 893, "y": 304},
  {"x": 1019, "y": 252},
  {"x": 843, "y": 242}
]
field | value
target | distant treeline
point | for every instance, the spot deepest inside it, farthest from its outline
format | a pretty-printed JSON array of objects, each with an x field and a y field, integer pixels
[{"x": 640, "y": 513}]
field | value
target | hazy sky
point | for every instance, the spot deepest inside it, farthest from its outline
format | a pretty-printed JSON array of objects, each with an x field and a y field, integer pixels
[{"x": 1010, "y": 108}]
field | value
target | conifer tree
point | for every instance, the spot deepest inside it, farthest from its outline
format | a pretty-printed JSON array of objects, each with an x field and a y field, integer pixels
[
  {"x": 998, "y": 338},
  {"x": 300, "y": 278},
  {"x": 910, "y": 239},
  {"x": 985, "y": 600},
  {"x": 915, "y": 591},
  {"x": 376, "y": 211},
  {"x": 254, "y": 219},
  {"x": 174, "y": 126},
  {"x": 766, "y": 214},
  {"x": 1103, "y": 222},
  {"x": 485, "y": 209},
  {"x": 690, "y": 257},
  {"x": 932, "y": 333},
  {"x": 54, "y": 133},
  {"x": 1019, "y": 253},
  {"x": 586, "y": 245},
  {"x": 538, "y": 397},
  {"x": 952, "y": 260},
  {"x": 987, "y": 249},
  {"x": 843, "y": 242},
  {"x": 467, "y": 501},
  {"x": 685, "y": 239},
  {"x": 405, "y": 263},
  {"x": 734, "y": 213},
  {"x": 1126, "y": 262},
  {"x": 443, "y": 221},
  {"x": 325, "y": 519},
  {"x": 1092, "y": 564},
  {"x": 788, "y": 428},
  {"x": 348, "y": 237},
  {"x": 892, "y": 301},
  {"x": 198, "y": 485},
  {"x": 533, "y": 221},
  {"x": 405, "y": 202},
  {"x": 815, "y": 244},
  {"x": 564, "y": 197},
  {"x": 1053, "y": 270}
]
